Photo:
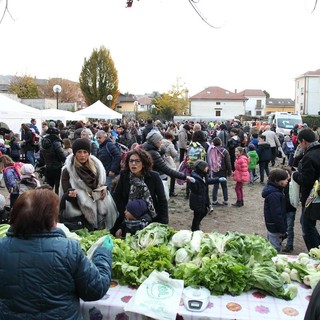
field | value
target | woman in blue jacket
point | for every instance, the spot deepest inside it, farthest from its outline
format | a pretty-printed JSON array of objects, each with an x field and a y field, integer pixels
[{"x": 43, "y": 273}]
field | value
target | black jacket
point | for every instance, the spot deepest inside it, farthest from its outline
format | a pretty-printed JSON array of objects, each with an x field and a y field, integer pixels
[
  {"x": 159, "y": 164},
  {"x": 145, "y": 131},
  {"x": 310, "y": 171},
  {"x": 51, "y": 152},
  {"x": 264, "y": 152},
  {"x": 110, "y": 156},
  {"x": 199, "y": 199},
  {"x": 155, "y": 186},
  {"x": 274, "y": 210}
]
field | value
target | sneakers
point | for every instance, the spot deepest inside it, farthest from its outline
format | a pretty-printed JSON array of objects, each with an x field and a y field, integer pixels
[
  {"x": 216, "y": 204},
  {"x": 225, "y": 203},
  {"x": 255, "y": 178},
  {"x": 173, "y": 194}
]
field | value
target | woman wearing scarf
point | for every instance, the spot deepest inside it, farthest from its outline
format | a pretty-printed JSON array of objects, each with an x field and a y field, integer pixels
[
  {"x": 84, "y": 197},
  {"x": 138, "y": 181}
]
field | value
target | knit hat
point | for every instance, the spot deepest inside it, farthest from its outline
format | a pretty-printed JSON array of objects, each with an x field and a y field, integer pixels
[
  {"x": 81, "y": 144},
  {"x": 200, "y": 165},
  {"x": 154, "y": 137},
  {"x": 137, "y": 207},
  {"x": 2, "y": 202},
  {"x": 186, "y": 127},
  {"x": 27, "y": 169}
]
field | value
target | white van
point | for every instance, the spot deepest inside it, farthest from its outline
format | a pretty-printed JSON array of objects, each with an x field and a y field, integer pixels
[{"x": 284, "y": 121}]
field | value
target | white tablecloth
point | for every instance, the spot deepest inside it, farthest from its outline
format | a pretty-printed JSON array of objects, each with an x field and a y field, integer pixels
[{"x": 252, "y": 305}]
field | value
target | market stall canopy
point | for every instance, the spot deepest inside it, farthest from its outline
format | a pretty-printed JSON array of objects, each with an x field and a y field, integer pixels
[
  {"x": 14, "y": 113},
  {"x": 98, "y": 110},
  {"x": 62, "y": 115}
]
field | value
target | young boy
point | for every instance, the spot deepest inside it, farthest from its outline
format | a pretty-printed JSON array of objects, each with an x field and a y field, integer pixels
[
  {"x": 254, "y": 159},
  {"x": 199, "y": 192},
  {"x": 275, "y": 212},
  {"x": 136, "y": 218}
]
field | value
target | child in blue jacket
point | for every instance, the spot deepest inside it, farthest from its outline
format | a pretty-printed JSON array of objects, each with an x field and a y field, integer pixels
[
  {"x": 275, "y": 212},
  {"x": 199, "y": 200}
]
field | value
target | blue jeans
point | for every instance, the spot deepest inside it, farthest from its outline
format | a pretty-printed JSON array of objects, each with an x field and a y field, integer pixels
[
  {"x": 215, "y": 189},
  {"x": 310, "y": 233},
  {"x": 275, "y": 239},
  {"x": 30, "y": 157},
  {"x": 291, "y": 216}
]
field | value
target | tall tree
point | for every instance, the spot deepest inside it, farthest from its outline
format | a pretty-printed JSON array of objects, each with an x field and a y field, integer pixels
[
  {"x": 24, "y": 87},
  {"x": 99, "y": 78},
  {"x": 174, "y": 102}
]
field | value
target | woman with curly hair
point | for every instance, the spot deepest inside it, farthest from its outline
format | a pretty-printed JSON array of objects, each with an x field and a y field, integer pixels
[{"x": 138, "y": 181}]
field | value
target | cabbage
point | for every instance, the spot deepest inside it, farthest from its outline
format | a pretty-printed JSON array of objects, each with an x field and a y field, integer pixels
[
  {"x": 181, "y": 238},
  {"x": 182, "y": 256},
  {"x": 195, "y": 243}
]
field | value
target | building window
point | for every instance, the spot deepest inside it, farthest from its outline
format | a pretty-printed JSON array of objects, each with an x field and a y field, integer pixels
[
  {"x": 218, "y": 113},
  {"x": 302, "y": 91},
  {"x": 259, "y": 103},
  {"x": 258, "y": 113},
  {"x": 218, "y": 103}
]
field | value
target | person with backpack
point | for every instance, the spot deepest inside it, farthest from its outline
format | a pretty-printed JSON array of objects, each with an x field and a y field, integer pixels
[
  {"x": 110, "y": 156},
  {"x": 28, "y": 179},
  {"x": 220, "y": 166},
  {"x": 288, "y": 149},
  {"x": 254, "y": 159},
  {"x": 52, "y": 156},
  {"x": 11, "y": 176}
]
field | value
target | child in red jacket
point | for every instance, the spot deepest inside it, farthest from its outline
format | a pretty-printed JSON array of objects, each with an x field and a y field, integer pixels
[{"x": 241, "y": 174}]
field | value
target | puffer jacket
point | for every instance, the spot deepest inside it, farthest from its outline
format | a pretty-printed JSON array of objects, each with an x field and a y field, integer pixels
[
  {"x": 110, "y": 156},
  {"x": 46, "y": 274},
  {"x": 274, "y": 210},
  {"x": 51, "y": 152},
  {"x": 159, "y": 164},
  {"x": 241, "y": 173}
]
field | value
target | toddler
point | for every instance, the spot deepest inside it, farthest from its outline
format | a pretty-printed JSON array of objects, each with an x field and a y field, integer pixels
[
  {"x": 28, "y": 179},
  {"x": 137, "y": 217},
  {"x": 254, "y": 159}
]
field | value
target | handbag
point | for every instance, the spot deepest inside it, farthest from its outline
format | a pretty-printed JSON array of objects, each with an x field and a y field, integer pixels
[
  {"x": 312, "y": 206},
  {"x": 71, "y": 211}
]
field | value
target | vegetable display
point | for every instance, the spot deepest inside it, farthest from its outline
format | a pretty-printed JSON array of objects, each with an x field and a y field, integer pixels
[{"x": 230, "y": 263}]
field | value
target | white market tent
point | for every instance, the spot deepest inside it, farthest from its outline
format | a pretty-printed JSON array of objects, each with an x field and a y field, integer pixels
[
  {"x": 14, "y": 113},
  {"x": 98, "y": 110},
  {"x": 62, "y": 115}
]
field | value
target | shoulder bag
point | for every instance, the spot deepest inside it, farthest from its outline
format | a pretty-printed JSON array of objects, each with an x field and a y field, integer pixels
[{"x": 312, "y": 206}]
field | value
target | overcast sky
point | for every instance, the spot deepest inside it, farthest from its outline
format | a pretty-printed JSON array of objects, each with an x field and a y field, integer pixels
[{"x": 259, "y": 44}]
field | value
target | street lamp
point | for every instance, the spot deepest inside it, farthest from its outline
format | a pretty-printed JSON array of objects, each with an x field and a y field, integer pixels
[
  {"x": 109, "y": 98},
  {"x": 57, "y": 89}
]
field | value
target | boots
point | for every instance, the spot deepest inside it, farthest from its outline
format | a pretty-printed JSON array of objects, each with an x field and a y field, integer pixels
[{"x": 239, "y": 203}]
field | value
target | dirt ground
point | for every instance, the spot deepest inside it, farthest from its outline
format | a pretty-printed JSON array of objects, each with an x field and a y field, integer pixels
[{"x": 246, "y": 219}]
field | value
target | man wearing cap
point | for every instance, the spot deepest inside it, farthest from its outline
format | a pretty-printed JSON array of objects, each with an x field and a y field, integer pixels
[{"x": 52, "y": 156}]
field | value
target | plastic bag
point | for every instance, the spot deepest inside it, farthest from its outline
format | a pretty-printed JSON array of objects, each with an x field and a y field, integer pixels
[
  {"x": 166, "y": 189},
  {"x": 157, "y": 297},
  {"x": 96, "y": 245},
  {"x": 294, "y": 191}
]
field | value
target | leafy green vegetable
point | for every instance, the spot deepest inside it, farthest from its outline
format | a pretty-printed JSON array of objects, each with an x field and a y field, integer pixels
[
  {"x": 89, "y": 238},
  {"x": 3, "y": 229},
  {"x": 266, "y": 277},
  {"x": 315, "y": 253}
]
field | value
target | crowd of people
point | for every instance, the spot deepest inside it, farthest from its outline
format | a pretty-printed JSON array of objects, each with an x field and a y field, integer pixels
[{"x": 116, "y": 177}]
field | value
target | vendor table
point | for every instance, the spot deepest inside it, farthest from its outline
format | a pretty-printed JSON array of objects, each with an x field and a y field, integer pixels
[{"x": 251, "y": 305}]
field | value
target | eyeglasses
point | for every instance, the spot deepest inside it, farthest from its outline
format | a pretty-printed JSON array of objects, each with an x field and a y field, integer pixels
[{"x": 137, "y": 161}]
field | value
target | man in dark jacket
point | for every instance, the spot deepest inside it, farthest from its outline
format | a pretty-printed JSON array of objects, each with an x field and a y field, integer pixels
[
  {"x": 308, "y": 174},
  {"x": 109, "y": 154},
  {"x": 53, "y": 157},
  {"x": 146, "y": 130}
]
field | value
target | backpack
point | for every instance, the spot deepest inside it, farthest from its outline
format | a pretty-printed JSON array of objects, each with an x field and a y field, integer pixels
[
  {"x": 288, "y": 147},
  {"x": 195, "y": 152},
  {"x": 123, "y": 149},
  {"x": 215, "y": 156}
]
